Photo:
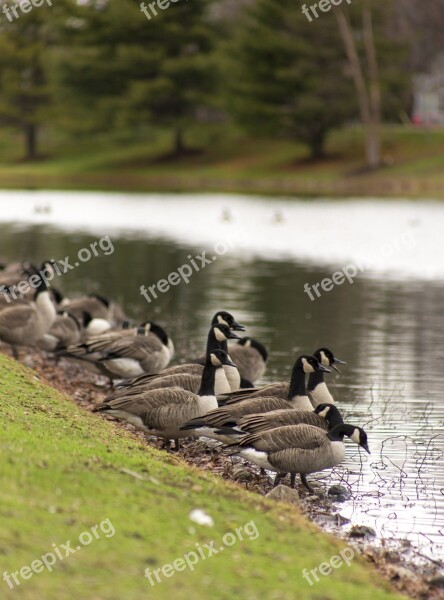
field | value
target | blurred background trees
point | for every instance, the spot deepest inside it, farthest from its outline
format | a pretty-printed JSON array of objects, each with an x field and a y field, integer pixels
[{"x": 91, "y": 66}]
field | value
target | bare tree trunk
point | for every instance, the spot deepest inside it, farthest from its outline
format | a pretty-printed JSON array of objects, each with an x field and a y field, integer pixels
[
  {"x": 31, "y": 141},
  {"x": 369, "y": 104},
  {"x": 179, "y": 144}
]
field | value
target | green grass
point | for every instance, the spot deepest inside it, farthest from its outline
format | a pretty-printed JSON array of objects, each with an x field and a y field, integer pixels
[
  {"x": 226, "y": 160},
  {"x": 65, "y": 470}
]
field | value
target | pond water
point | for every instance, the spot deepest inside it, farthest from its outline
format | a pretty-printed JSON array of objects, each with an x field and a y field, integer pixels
[{"x": 387, "y": 323}]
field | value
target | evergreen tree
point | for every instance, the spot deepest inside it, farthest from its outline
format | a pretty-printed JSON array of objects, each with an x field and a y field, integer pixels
[
  {"x": 128, "y": 69},
  {"x": 288, "y": 75},
  {"x": 26, "y": 91}
]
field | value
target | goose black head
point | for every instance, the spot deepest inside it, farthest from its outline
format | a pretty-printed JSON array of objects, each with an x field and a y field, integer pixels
[
  {"x": 330, "y": 413},
  {"x": 219, "y": 358},
  {"x": 225, "y": 318},
  {"x": 249, "y": 342},
  {"x": 222, "y": 333},
  {"x": 150, "y": 327},
  {"x": 355, "y": 433},
  {"x": 102, "y": 299},
  {"x": 328, "y": 359},
  {"x": 310, "y": 364}
]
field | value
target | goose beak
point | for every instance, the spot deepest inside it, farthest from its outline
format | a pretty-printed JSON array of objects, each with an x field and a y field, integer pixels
[
  {"x": 336, "y": 361},
  {"x": 237, "y": 326},
  {"x": 324, "y": 369},
  {"x": 233, "y": 336},
  {"x": 335, "y": 368},
  {"x": 366, "y": 448},
  {"x": 230, "y": 363}
]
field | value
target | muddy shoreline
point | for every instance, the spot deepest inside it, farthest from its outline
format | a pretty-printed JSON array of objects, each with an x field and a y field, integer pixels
[{"x": 408, "y": 571}]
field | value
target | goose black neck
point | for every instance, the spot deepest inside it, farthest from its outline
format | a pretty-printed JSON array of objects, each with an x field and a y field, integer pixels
[
  {"x": 297, "y": 382},
  {"x": 337, "y": 433},
  {"x": 314, "y": 380},
  {"x": 208, "y": 381},
  {"x": 214, "y": 344}
]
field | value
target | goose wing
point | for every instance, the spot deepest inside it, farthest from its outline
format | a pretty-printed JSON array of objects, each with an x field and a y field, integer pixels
[{"x": 280, "y": 418}]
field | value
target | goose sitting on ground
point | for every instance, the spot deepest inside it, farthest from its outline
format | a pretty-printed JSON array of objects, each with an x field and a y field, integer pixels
[
  {"x": 105, "y": 314},
  {"x": 281, "y": 389},
  {"x": 297, "y": 399},
  {"x": 160, "y": 412},
  {"x": 251, "y": 359},
  {"x": 65, "y": 331},
  {"x": 217, "y": 336},
  {"x": 302, "y": 449},
  {"x": 122, "y": 355},
  {"x": 23, "y": 324}
]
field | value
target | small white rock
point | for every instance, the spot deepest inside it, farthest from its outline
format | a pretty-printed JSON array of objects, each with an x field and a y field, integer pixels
[{"x": 201, "y": 517}]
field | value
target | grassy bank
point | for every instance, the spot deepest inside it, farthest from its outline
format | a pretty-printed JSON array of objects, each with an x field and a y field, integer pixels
[
  {"x": 225, "y": 160},
  {"x": 64, "y": 471}
]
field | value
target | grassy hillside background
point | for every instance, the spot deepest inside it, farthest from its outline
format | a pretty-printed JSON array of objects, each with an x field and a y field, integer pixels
[
  {"x": 65, "y": 470},
  {"x": 222, "y": 159}
]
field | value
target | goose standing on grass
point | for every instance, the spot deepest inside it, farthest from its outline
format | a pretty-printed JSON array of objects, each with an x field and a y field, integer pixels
[
  {"x": 251, "y": 358},
  {"x": 160, "y": 412},
  {"x": 317, "y": 388},
  {"x": 297, "y": 400},
  {"x": 24, "y": 324},
  {"x": 122, "y": 355},
  {"x": 217, "y": 336},
  {"x": 302, "y": 449}
]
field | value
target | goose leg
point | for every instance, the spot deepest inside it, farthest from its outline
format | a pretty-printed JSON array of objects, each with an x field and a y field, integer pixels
[
  {"x": 166, "y": 445},
  {"x": 15, "y": 352},
  {"x": 176, "y": 445},
  {"x": 292, "y": 480},
  {"x": 278, "y": 478},
  {"x": 306, "y": 484}
]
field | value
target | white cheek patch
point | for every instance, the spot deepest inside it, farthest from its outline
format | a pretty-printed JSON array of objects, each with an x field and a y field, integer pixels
[
  {"x": 220, "y": 337},
  {"x": 222, "y": 321},
  {"x": 307, "y": 366},
  {"x": 324, "y": 413},
  {"x": 247, "y": 344},
  {"x": 356, "y": 436},
  {"x": 215, "y": 361},
  {"x": 324, "y": 360}
]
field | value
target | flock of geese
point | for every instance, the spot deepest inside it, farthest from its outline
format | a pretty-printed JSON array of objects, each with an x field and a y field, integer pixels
[{"x": 286, "y": 427}]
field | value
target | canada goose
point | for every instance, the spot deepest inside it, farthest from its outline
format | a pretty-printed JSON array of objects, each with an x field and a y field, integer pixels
[
  {"x": 318, "y": 391},
  {"x": 122, "y": 355},
  {"x": 24, "y": 324},
  {"x": 161, "y": 412},
  {"x": 297, "y": 399},
  {"x": 65, "y": 331},
  {"x": 217, "y": 335},
  {"x": 105, "y": 314},
  {"x": 325, "y": 416},
  {"x": 299, "y": 449},
  {"x": 251, "y": 358},
  {"x": 222, "y": 317},
  {"x": 303, "y": 365}
]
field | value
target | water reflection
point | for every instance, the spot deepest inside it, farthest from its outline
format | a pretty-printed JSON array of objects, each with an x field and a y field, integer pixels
[{"x": 390, "y": 333}]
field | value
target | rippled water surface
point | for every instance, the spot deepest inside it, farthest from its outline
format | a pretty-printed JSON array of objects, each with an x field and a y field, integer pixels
[{"x": 388, "y": 325}]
